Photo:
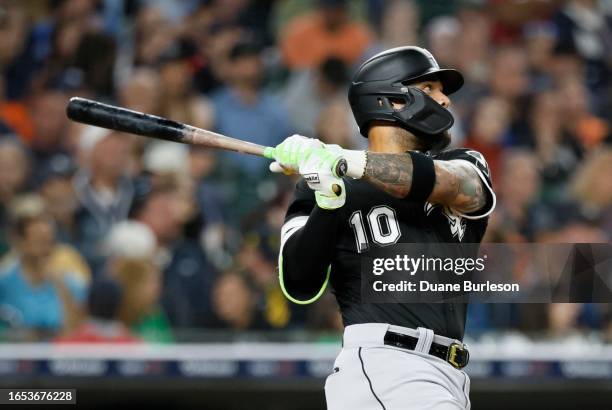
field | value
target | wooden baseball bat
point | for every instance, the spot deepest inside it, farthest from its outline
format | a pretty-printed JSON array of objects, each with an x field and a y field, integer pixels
[{"x": 148, "y": 125}]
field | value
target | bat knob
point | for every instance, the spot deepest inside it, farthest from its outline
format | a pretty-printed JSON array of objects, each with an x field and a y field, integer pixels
[
  {"x": 337, "y": 189},
  {"x": 340, "y": 168}
]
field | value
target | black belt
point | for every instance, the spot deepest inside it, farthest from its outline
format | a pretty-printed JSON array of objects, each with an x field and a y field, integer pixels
[{"x": 456, "y": 354}]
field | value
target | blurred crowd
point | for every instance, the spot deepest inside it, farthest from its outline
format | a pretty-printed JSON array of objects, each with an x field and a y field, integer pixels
[{"x": 113, "y": 237}]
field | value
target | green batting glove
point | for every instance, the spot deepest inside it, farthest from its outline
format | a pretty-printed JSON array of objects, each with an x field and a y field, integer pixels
[{"x": 292, "y": 153}]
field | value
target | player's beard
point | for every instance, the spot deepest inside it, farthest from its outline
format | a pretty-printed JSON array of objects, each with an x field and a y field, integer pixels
[
  {"x": 409, "y": 141},
  {"x": 435, "y": 143}
]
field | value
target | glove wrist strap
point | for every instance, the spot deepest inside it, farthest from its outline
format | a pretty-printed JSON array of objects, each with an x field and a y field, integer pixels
[{"x": 356, "y": 163}]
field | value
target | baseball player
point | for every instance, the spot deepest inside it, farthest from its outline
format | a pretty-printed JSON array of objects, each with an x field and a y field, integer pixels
[{"x": 405, "y": 188}]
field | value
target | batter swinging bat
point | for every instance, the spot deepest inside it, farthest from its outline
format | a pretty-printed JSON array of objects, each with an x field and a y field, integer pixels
[{"x": 134, "y": 122}]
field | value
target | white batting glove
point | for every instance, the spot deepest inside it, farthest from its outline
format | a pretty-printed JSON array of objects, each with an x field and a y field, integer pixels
[{"x": 319, "y": 172}]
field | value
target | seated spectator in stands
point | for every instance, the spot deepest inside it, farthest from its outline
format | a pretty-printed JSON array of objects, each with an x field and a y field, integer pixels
[
  {"x": 440, "y": 36},
  {"x": 488, "y": 131},
  {"x": 234, "y": 304},
  {"x": 258, "y": 265},
  {"x": 592, "y": 189},
  {"x": 244, "y": 110},
  {"x": 103, "y": 189},
  {"x": 205, "y": 197},
  {"x": 209, "y": 191},
  {"x": 585, "y": 129},
  {"x": 16, "y": 68},
  {"x": 58, "y": 191},
  {"x": 517, "y": 208},
  {"x": 540, "y": 39},
  {"x": 14, "y": 117},
  {"x": 473, "y": 45},
  {"x": 47, "y": 301},
  {"x": 558, "y": 152},
  {"x": 47, "y": 111},
  {"x": 187, "y": 274},
  {"x": 168, "y": 161},
  {"x": 178, "y": 99},
  {"x": 140, "y": 310},
  {"x": 141, "y": 91},
  {"x": 585, "y": 28},
  {"x": 153, "y": 34},
  {"x": 509, "y": 77},
  {"x": 399, "y": 26},
  {"x": 14, "y": 170},
  {"x": 308, "y": 91},
  {"x": 307, "y": 40},
  {"x": 325, "y": 319},
  {"x": 102, "y": 324},
  {"x": 335, "y": 125}
]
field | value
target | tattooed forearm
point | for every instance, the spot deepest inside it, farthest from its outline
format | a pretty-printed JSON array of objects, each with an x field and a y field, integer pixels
[
  {"x": 390, "y": 172},
  {"x": 457, "y": 184}
]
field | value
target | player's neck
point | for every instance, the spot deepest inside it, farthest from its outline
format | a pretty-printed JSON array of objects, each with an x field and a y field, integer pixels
[{"x": 385, "y": 138}]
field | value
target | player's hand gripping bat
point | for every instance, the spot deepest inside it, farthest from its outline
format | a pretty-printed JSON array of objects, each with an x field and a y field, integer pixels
[{"x": 124, "y": 120}]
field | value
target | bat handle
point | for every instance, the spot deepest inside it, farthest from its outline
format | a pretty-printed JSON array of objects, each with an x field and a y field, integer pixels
[{"x": 339, "y": 168}]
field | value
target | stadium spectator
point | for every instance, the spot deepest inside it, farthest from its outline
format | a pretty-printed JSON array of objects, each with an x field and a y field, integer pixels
[
  {"x": 540, "y": 40},
  {"x": 102, "y": 325},
  {"x": 47, "y": 114},
  {"x": 441, "y": 33},
  {"x": 47, "y": 301},
  {"x": 490, "y": 126},
  {"x": 517, "y": 207},
  {"x": 234, "y": 304},
  {"x": 57, "y": 190},
  {"x": 103, "y": 189},
  {"x": 14, "y": 170},
  {"x": 261, "y": 274},
  {"x": 585, "y": 28},
  {"x": 178, "y": 99},
  {"x": 509, "y": 76},
  {"x": 244, "y": 110},
  {"x": 304, "y": 101},
  {"x": 187, "y": 274},
  {"x": 400, "y": 25},
  {"x": 153, "y": 34},
  {"x": 141, "y": 91},
  {"x": 557, "y": 151},
  {"x": 584, "y": 128},
  {"x": 13, "y": 38},
  {"x": 592, "y": 189},
  {"x": 307, "y": 40},
  {"x": 140, "y": 308},
  {"x": 334, "y": 125}
]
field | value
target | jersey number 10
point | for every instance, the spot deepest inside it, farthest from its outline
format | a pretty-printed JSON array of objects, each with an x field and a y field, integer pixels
[{"x": 383, "y": 225}]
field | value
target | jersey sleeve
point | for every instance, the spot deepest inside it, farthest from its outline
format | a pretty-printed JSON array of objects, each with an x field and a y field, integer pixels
[
  {"x": 478, "y": 162},
  {"x": 299, "y": 209},
  {"x": 302, "y": 276}
]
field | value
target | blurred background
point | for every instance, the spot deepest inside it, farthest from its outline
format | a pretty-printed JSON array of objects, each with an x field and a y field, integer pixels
[{"x": 167, "y": 253}]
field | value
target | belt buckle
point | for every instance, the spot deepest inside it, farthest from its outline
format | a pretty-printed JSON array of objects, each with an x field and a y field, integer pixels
[{"x": 452, "y": 355}]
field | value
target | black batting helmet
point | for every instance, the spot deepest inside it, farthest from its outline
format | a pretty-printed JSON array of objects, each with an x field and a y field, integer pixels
[{"x": 389, "y": 75}]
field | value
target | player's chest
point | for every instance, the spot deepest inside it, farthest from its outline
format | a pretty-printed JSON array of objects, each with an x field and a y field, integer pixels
[{"x": 373, "y": 218}]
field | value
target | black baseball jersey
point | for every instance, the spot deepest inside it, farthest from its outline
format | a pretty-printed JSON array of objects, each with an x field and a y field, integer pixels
[{"x": 373, "y": 218}]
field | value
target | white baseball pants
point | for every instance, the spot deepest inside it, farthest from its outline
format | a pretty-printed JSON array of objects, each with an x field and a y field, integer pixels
[{"x": 369, "y": 375}]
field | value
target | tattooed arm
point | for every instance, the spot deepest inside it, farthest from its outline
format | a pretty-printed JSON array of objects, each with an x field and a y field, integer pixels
[{"x": 458, "y": 185}]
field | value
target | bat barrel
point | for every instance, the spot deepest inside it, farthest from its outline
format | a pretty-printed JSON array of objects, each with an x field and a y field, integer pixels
[{"x": 124, "y": 120}]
